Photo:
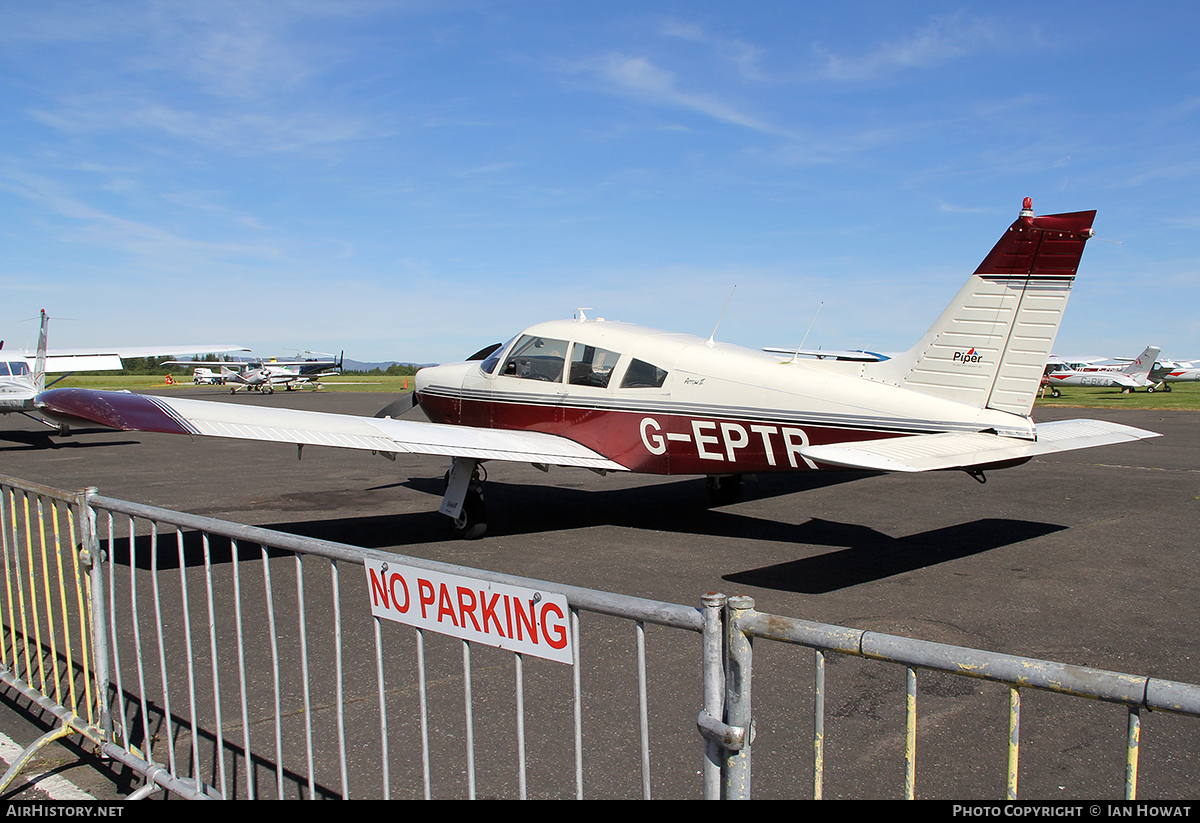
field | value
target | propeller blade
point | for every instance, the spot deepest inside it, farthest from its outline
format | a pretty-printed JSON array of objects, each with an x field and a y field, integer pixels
[
  {"x": 399, "y": 406},
  {"x": 483, "y": 353}
]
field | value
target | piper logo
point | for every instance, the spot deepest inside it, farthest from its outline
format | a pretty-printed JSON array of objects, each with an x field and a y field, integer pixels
[{"x": 968, "y": 357}]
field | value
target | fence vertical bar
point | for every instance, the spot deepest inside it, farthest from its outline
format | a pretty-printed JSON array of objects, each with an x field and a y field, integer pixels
[
  {"x": 5, "y": 524},
  {"x": 577, "y": 702},
  {"x": 383, "y": 718},
  {"x": 234, "y": 549},
  {"x": 162, "y": 652},
  {"x": 643, "y": 709},
  {"x": 185, "y": 607},
  {"x": 819, "y": 726},
  {"x": 1014, "y": 740},
  {"x": 335, "y": 586},
  {"x": 423, "y": 696},
  {"x": 740, "y": 654},
  {"x": 519, "y": 664},
  {"x": 270, "y": 600},
  {"x": 470, "y": 719},
  {"x": 95, "y": 561},
  {"x": 308, "y": 717},
  {"x": 713, "y": 688},
  {"x": 910, "y": 735},
  {"x": 134, "y": 615},
  {"x": 1131, "y": 753},
  {"x": 219, "y": 731}
]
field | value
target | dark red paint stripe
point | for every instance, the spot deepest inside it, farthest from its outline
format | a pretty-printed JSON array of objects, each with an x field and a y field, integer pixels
[{"x": 116, "y": 410}]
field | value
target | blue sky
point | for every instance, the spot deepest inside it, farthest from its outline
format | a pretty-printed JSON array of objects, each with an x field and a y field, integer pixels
[{"x": 416, "y": 180}]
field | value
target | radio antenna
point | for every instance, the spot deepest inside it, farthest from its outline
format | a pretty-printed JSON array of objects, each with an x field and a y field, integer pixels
[
  {"x": 712, "y": 337},
  {"x": 796, "y": 356}
]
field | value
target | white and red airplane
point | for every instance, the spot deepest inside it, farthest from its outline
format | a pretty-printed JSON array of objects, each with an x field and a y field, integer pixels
[
  {"x": 1128, "y": 377},
  {"x": 617, "y": 397}
]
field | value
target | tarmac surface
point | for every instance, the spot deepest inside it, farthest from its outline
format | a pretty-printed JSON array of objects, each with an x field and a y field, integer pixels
[{"x": 1086, "y": 558}]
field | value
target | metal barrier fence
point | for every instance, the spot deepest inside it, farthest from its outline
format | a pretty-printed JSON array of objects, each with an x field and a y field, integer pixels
[
  {"x": 744, "y": 624},
  {"x": 226, "y": 661}
]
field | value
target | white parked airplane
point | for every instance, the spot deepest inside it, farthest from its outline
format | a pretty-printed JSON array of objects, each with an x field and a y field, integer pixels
[
  {"x": 266, "y": 376},
  {"x": 1167, "y": 372},
  {"x": 1126, "y": 376},
  {"x": 23, "y": 374},
  {"x": 617, "y": 397}
]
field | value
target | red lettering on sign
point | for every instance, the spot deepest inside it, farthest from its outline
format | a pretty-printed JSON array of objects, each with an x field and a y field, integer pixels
[
  {"x": 488, "y": 608},
  {"x": 445, "y": 605},
  {"x": 392, "y": 590},
  {"x": 556, "y": 636},
  {"x": 466, "y": 607},
  {"x": 529, "y": 621},
  {"x": 377, "y": 589},
  {"x": 424, "y": 596}
]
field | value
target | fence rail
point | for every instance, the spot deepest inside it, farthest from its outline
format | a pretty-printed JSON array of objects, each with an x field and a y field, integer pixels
[{"x": 219, "y": 660}]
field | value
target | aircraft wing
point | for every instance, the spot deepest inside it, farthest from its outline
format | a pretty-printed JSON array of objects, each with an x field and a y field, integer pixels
[
  {"x": 931, "y": 452},
  {"x": 64, "y": 361},
  {"x": 135, "y": 412}
]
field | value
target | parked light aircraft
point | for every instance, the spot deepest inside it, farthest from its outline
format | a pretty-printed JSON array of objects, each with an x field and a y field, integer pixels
[
  {"x": 1127, "y": 377},
  {"x": 266, "y": 375},
  {"x": 23, "y": 374},
  {"x": 617, "y": 397},
  {"x": 1167, "y": 372}
]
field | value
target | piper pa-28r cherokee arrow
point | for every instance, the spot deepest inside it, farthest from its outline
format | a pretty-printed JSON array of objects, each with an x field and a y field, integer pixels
[{"x": 617, "y": 397}]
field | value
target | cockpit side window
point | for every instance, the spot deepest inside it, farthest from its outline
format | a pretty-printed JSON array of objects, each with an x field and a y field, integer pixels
[
  {"x": 592, "y": 366},
  {"x": 537, "y": 358},
  {"x": 3, "y": 368},
  {"x": 19, "y": 368},
  {"x": 643, "y": 375}
]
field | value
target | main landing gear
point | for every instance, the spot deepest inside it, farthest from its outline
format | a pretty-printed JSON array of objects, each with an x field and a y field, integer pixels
[
  {"x": 463, "y": 501},
  {"x": 724, "y": 489}
]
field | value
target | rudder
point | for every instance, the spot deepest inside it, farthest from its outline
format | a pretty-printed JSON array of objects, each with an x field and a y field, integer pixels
[{"x": 990, "y": 346}]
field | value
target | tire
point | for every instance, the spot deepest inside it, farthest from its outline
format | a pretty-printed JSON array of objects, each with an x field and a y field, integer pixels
[
  {"x": 471, "y": 523},
  {"x": 724, "y": 490},
  {"x": 1055, "y": 393}
]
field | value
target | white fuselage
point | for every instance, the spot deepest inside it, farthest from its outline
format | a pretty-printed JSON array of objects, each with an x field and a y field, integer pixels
[{"x": 676, "y": 404}]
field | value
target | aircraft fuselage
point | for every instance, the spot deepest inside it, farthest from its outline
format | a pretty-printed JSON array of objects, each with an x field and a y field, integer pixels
[{"x": 674, "y": 404}]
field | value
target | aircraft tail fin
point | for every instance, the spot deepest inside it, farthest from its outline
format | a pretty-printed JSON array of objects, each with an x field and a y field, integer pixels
[
  {"x": 1140, "y": 369},
  {"x": 990, "y": 346},
  {"x": 39, "y": 364}
]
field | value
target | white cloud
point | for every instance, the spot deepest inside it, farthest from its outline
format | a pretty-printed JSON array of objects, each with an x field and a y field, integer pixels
[{"x": 943, "y": 40}]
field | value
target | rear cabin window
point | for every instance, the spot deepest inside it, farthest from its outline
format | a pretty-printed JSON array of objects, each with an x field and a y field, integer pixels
[
  {"x": 592, "y": 366},
  {"x": 643, "y": 375},
  {"x": 537, "y": 358}
]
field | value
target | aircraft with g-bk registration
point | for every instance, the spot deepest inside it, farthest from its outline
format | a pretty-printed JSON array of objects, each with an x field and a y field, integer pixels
[{"x": 613, "y": 396}]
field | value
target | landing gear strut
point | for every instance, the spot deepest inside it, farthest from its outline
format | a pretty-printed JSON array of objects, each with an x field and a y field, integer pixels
[
  {"x": 463, "y": 501},
  {"x": 724, "y": 489}
]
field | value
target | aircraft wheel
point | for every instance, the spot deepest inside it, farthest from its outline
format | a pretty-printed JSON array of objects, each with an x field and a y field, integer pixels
[
  {"x": 233, "y": 391},
  {"x": 1055, "y": 393},
  {"x": 1166, "y": 388},
  {"x": 1150, "y": 390},
  {"x": 471, "y": 523},
  {"x": 724, "y": 490},
  {"x": 269, "y": 390}
]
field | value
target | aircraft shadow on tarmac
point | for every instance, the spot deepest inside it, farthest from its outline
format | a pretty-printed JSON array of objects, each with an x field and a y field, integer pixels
[
  {"x": 862, "y": 554},
  {"x": 30, "y": 440},
  {"x": 871, "y": 555}
]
